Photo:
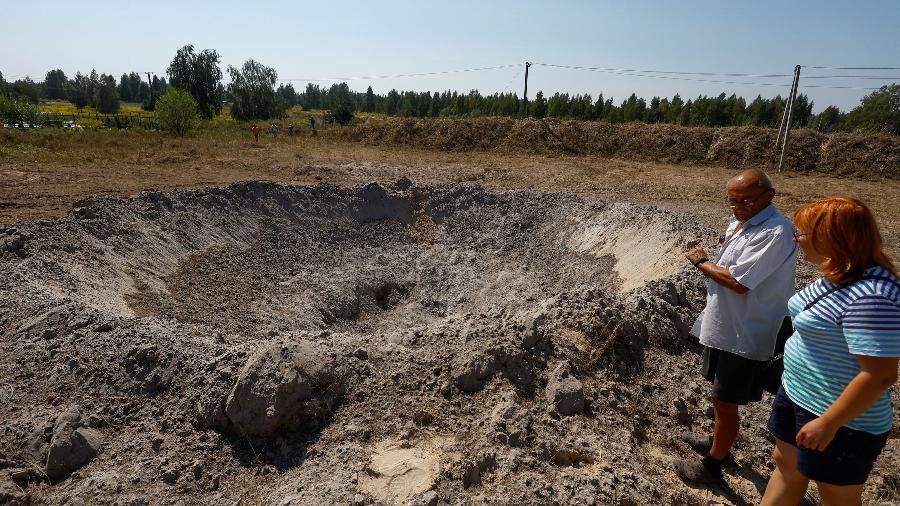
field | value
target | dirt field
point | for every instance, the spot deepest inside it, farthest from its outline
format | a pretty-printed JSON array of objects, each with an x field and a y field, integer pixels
[{"x": 474, "y": 328}]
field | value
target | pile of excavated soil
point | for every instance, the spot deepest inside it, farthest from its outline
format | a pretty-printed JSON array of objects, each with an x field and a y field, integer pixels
[
  {"x": 863, "y": 154},
  {"x": 267, "y": 344}
]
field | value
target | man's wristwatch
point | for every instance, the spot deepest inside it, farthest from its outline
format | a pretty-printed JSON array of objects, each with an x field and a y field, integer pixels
[{"x": 699, "y": 261}]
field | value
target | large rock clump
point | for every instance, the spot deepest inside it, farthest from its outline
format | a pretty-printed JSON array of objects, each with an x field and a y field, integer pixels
[
  {"x": 71, "y": 446},
  {"x": 289, "y": 386},
  {"x": 564, "y": 391}
]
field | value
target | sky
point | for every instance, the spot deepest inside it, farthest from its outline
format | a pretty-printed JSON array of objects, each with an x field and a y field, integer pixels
[{"x": 316, "y": 40}]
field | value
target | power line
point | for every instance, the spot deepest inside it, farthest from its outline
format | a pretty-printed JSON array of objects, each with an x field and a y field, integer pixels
[
  {"x": 674, "y": 75},
  {"x": 668, "y": 72},
  {"x": 879, "y": 78},
  {"x": 848, "y": 68},
  {"x": 394, "y": 76}
]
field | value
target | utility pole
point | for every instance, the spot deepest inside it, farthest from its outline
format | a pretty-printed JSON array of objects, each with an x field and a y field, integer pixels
[
  {"x": 527, "y": 64},
  {"x": 150, "y": 87},
  {"x": 786, "y": 118}
]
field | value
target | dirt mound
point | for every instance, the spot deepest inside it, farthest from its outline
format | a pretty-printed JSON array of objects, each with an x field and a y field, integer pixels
[
  {"x": 285, "y": 345},
  {"x": 868, "y": 155}
]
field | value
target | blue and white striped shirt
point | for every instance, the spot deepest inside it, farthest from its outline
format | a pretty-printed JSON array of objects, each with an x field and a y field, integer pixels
[{"x": 820, "y": 358}]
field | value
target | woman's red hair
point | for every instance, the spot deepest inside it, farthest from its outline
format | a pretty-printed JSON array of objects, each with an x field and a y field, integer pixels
[{"x": 844, "y": 232}]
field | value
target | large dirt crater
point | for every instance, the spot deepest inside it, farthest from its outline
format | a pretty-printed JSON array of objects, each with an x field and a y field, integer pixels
[{"x": 371, "y": 344}]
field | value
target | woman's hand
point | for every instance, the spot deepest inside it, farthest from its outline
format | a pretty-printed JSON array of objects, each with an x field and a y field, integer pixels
[{"x": 816, "y": 435}]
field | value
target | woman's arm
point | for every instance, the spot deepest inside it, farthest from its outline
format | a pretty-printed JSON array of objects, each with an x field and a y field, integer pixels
[{"x": 876, "y": 375}]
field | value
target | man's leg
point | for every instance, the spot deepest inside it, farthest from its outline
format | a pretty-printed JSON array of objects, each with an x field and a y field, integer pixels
[
  {"x": 786, "y": 485},
  {"x": 725, "y": 433}
]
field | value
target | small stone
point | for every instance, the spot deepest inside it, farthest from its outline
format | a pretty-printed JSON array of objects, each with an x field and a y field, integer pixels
[
  {"x": 104, "y": 327},
  {"x": 565, "y": 392},
  {"x": 197, "y": 469},
  {"x": 170, "y": 475},
  {"x": 361, "y": 353}
]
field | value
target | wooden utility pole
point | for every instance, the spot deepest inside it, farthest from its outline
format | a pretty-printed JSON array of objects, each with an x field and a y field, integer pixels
[
  {"x": 527, "y": 64},
  {"x": 150, "y": 87},
  {"x": 786, "y": 118}
]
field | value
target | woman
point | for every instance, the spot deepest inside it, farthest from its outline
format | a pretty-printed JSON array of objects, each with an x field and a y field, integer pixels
[{"x": 832, "y": 415}]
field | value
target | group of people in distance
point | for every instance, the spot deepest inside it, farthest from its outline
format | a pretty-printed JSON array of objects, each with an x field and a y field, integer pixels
[
  {"x": 832, "y": 413},
  {"x": 274, "y": 128}
]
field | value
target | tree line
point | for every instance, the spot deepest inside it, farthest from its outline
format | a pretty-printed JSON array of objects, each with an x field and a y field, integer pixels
[
  {"x": 880, "y": 110},
  {"x": 252, "y": 94}
]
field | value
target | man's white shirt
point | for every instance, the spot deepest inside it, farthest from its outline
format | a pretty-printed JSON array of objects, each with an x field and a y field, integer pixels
[{"x": 763, "y": 257}]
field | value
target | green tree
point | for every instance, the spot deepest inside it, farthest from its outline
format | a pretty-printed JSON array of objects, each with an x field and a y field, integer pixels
[
  {"x": 877, "y": 111},
  {"x": 392, "y": 102},
  {"x": 200, "y": 75},
  {"x": 309, "y": 99},
  {"x": 287, "y": 94},
  {"x": 80, "y": 90},
  {"x": 176, "y": 112},
  {"x": 28, "y": 89},
  {"x": 55, "y": 84},
  {"x": 829, "y": 120},
  {"x": 107, "y": 98},
  {"x": 370, "y": 100},
  {"x": 801, "y": 113},
  {"x": 340, "y": 102},
  {"x": 538, "y": 106},
  {"x": 252, "y": 92},
  {"x": 675, "y": 109}
]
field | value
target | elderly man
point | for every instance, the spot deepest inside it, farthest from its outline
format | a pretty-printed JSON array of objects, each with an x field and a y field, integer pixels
[{"x": 751, "y": 280}]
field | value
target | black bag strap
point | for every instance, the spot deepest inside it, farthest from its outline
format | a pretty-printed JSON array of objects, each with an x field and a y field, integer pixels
[{"x": 841, "y": 287}]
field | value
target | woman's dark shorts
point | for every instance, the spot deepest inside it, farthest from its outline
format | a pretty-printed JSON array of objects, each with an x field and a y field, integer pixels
[
  {"x": 847, "y": 460},
  {"x": 733, "y": 376}
]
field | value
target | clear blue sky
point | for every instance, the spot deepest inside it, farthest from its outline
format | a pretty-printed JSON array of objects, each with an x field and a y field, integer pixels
[{"x": 320, "y": 39}]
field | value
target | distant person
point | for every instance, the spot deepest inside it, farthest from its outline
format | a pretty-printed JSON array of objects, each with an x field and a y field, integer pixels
[
  {"x": 751, "y": 280},
  {"x": 291, "y": 130},
  {"x": 274, "y": 130},
  {"x": 312, "y": 125},
  {"x": 832, "y": 415},
  {"x": 255, "y": 130}
]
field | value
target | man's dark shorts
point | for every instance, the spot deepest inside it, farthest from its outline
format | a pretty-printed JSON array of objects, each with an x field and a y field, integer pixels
[
  {"x": 732, "y": 376},
  {"x": 847, "y": 460}
]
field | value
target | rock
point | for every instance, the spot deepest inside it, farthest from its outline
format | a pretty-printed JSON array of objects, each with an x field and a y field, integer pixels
[
  {"x": 170, "y": 476},
  {"x": 104, "y": 327},
  {"x": 473, "y": 471},
  {"x": 531, "y": 333},
  {"x": 402, "y": 184},
  {"x": 11, "y": 242},
  {"x": 428, "y": 498},
  {"x": 209, "y": 411},
  {"x": 361, "y": 353},
  {"x": 565, "y": 391},
  {"x": 12, "y": 495},
  {"x": 197, "y": 469},
  {"x": 71, "y": 446},
  {"x": 284, "y": 386},
  {"x": 471, "y": 372},
  {"x": 84, "y": 213},
  {"x": 680, "y": 411}
]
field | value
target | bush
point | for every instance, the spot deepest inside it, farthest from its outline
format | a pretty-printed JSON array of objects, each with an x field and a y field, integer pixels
[
  {"x": 176, "y": 112},
  {"x": 17, "y": 110}
]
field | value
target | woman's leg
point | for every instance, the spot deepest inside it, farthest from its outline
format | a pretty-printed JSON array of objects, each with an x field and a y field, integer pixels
[
  {"x": 786, "y": 485},
  {"x": 835, "y": 495}
]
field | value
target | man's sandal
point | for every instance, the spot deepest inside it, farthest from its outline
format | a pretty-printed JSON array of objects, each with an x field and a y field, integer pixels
[
  {"x": 693, "y": 471},
  {"x": 702, "y": 445}
]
